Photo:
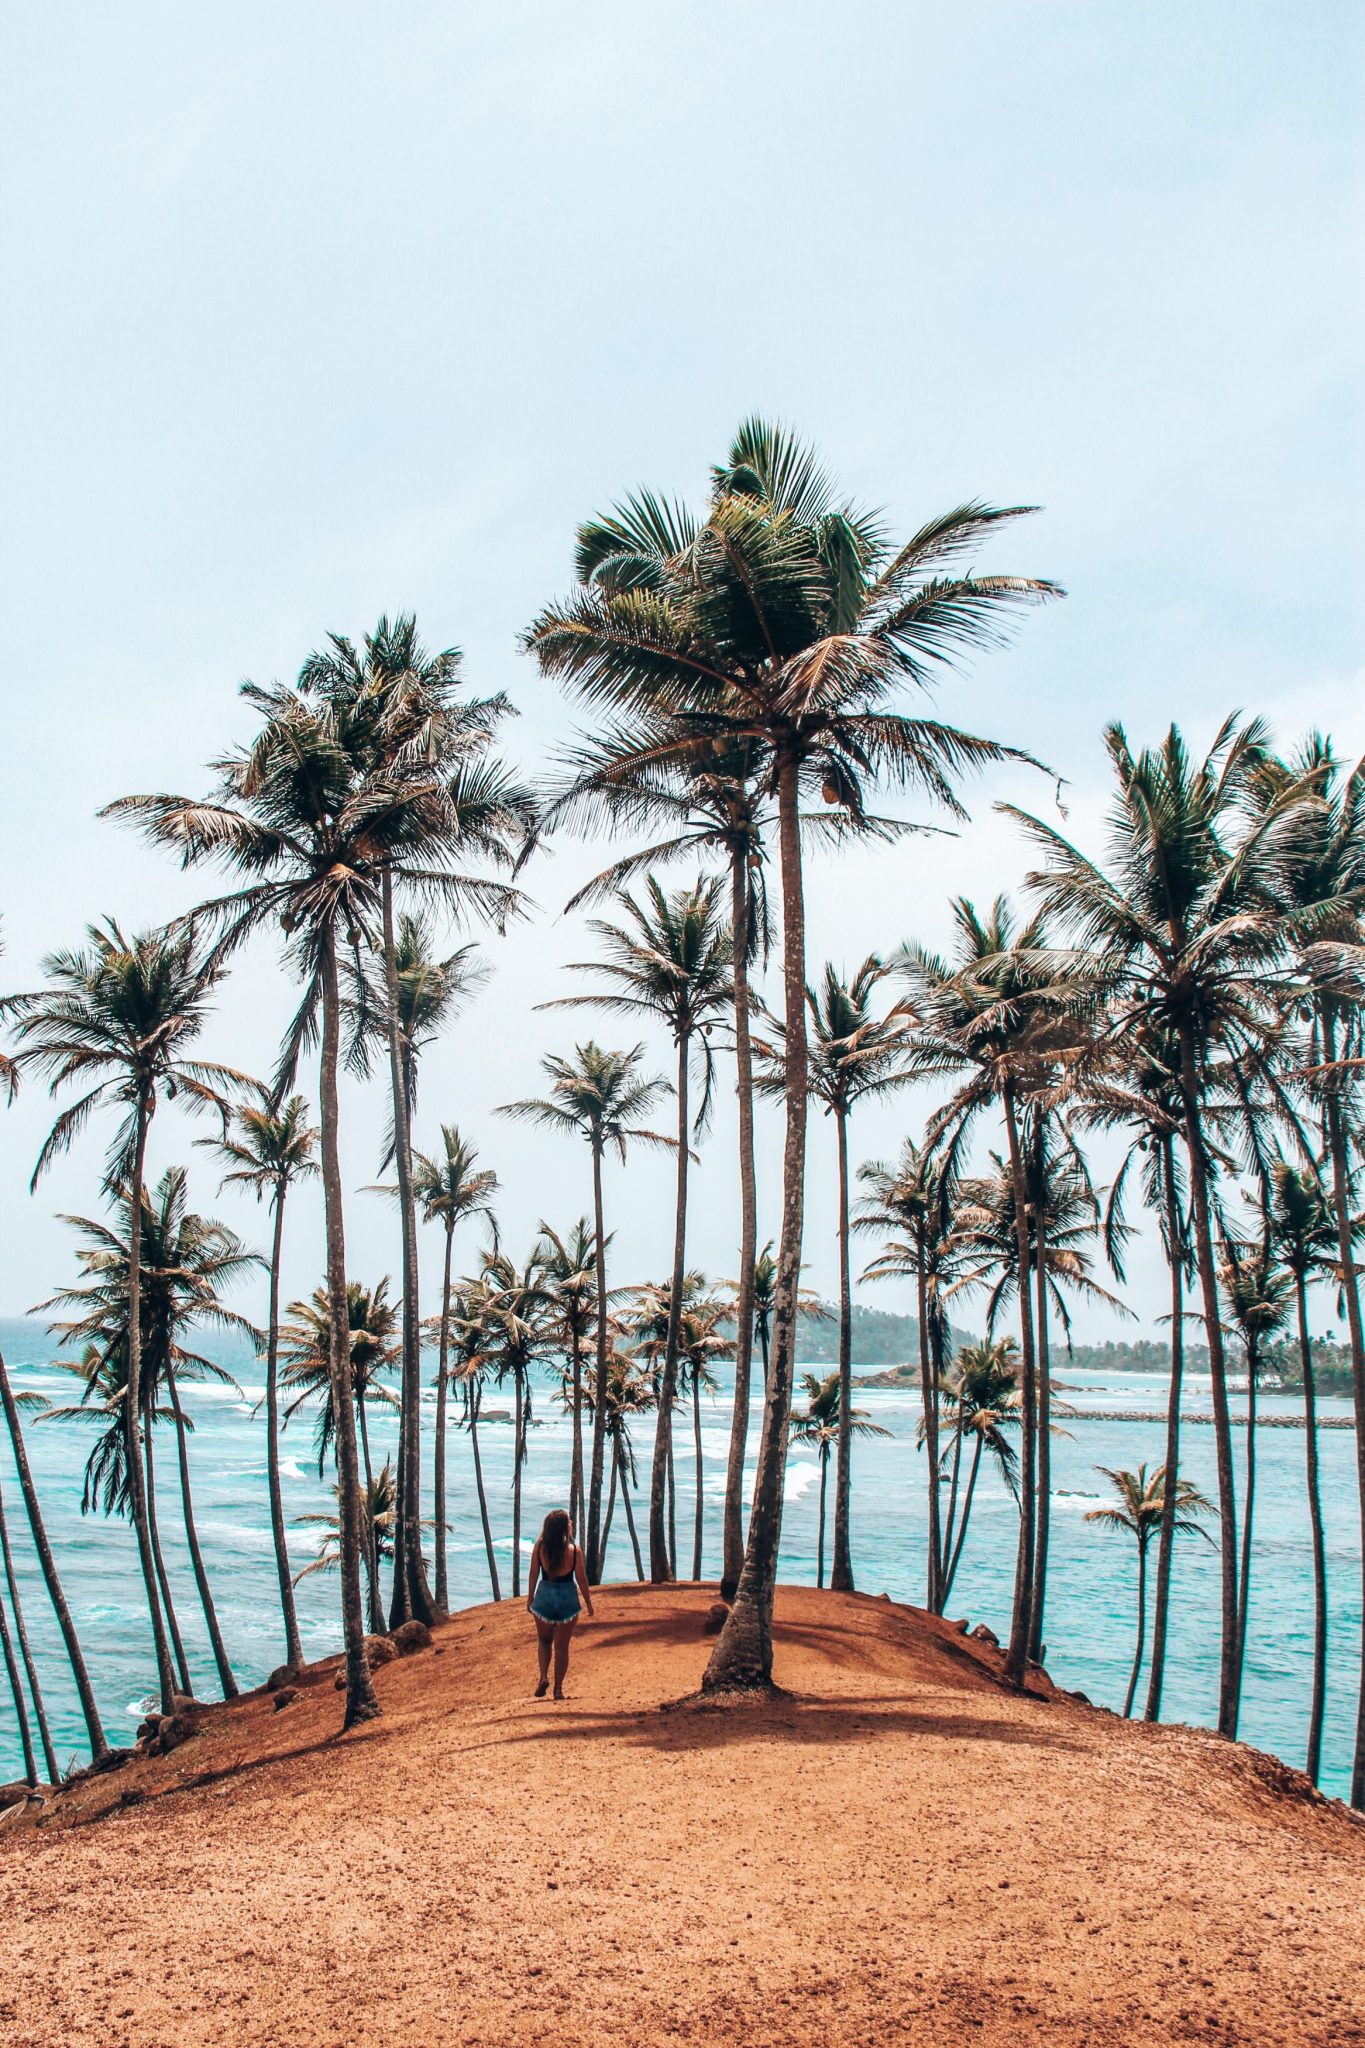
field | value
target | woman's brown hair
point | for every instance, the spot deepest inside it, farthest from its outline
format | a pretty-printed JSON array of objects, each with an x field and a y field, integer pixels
[{"x": 554, "y": 1542}]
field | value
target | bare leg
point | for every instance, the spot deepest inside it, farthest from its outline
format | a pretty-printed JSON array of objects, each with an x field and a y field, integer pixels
[
  {"x": 545, "y": 1635},
  {"x": 561, "y": 1634}
]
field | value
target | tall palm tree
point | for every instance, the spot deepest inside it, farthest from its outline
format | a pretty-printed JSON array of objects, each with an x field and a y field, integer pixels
[
  {"x": 1324, "y": 883},
  {"x": 186, "y": 1261},
  {"x": 1188, "y": 923},
  {"x": 424, "y": 754},
  {"x": 373, "y": 1347},
  {"x": 470, "y": 1366},
  {"x": 568, "y": 1267},
  {"x": 449, "y": 1187},
  {"x": 669, "y": 961},
  {"x": 269, "y": 1151},
  {"x": 715, "y": 801},
  {"x": 121, "y": 1015},
  {"x": 304, "y": 822},
  {"x": 515, "y": 1332},
  {"x": 1305, "y": 1238},
  {"x": 99, "y": 1746},
  {"x": 602, "y": 1097},
  {"x": 982, "y": 1396},
  {"x": 1008, "y": 1014},
  {"x": 853, "y": 1055},
  {"x": 1138, "y": 1513},
  {"x": 630, "y": 1392},
  {"x": 1257, "y": 1291},
  {"x": 911, "y": 1205},
  {"x": 783, "y": 619},
  {"x": 26, "y": 1657},
  {"x": 701, "y": 1340},
  {"x": 818, "y": 1424}
]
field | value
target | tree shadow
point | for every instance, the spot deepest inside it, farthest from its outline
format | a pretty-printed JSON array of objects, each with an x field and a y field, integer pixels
[{"x": 241, "y": 1768}]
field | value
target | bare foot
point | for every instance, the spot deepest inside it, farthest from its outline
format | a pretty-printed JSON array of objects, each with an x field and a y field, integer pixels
[
  {"x": 558, "y": 1694},
  {"x": 542, "y": 1688}
]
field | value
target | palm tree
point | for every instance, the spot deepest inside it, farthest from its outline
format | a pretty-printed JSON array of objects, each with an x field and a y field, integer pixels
[
  {"x": 602, "y": 1097},
  {"x": 270, "y": 1151},
  {"x": 785, "y": 621},
  {"x": 852, "y": 1056},
  {"x": 983, "y": 1397},
  {"x": 373, "y": 1347},
  {"x": 121, "y": 1015},
  {"x": 1140, "y": 1502},
  {"x": 449, "y": 1187},
  {"x": 630, "y": 1391},
  {"x": 185, "y": 1262},
  {"x": 1325, "y": 875},
  {"x": 423, "y": 754},
  {"x": 99, "y": 1746},
  {"x": 912, "y": 1205},
  {"x": 26, "y": 1656},
  {"x": 302, "y": 819},
  {"x": 1188, "y": 926},
  {"x": 670, "y": 961},
  {"x": 1008, "y": 1013},
  {"x": 719, "y": 804},
  {"x": 568, "y": 1267},
  {"x": 1139, "y": 1090},
  {"x": 470, "y": 1365},
  {"x": 515, "y": 1331},
  {"x": 378, "y": 1513},
  {"x": 1257, "y": 1292},
  {"x": 1305, "y": 1237},
  {"x": 818, "y": 1424},
  {"x": 701, "y": 1341}
]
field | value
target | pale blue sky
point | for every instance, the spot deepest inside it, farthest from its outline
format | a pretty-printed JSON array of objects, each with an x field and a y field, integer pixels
[{"x": 311, "y": 310}]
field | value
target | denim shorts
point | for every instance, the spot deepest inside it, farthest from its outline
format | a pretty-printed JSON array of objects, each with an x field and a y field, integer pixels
[{"x": 556, "y": 1600}]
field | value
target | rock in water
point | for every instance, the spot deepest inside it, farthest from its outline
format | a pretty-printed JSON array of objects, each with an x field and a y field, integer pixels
[{"x": 410, "y": 1636}]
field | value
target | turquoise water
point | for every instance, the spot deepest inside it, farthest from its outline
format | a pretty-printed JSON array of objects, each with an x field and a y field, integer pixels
[{"x": 1090, "y": 1619}]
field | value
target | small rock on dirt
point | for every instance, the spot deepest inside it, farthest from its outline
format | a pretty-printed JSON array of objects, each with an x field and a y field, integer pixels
[
  {"x": 982, "y": 1634},
  {"x": 379, "y": 1650},
  {"x": 285, "y": 1697},
  {"x": 410, "y": 1636},
  {"x": 717, "y": 1614}
]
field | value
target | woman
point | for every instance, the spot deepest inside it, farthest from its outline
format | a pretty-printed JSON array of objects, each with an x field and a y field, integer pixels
[{"x": 558, "y": 1575}]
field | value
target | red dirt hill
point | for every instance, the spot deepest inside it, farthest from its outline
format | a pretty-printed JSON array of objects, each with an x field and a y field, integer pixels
[{"x": 897, "y": 1851}]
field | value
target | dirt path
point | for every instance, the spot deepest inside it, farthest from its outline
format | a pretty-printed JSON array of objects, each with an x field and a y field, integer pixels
[{"x": 899, "y": 1852}]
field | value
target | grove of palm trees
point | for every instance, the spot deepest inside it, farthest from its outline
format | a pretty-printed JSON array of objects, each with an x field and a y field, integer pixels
[{"x": 1160, "y": 1037}]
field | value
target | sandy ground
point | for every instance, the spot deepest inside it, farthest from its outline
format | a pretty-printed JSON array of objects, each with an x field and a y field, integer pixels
[{"x": 898, "y": 1851}]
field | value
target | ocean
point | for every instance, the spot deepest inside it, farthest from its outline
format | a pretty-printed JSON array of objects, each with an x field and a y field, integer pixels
[{"x": 1091, "y": 1606}]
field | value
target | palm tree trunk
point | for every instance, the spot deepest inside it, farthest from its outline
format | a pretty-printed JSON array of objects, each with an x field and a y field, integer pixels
[
  {"x": 1141, "y": 1629},
  {"x": 99, "y": 1746},
  {"x": 841, "y": 1569},
  {"x": 1313, "y": 1765},
  {"x": 576, "y": 1466},
  {"x": 20, "y": 1710},
  {"x": 1244, "y": 1581},
  {"x": 133, "y": 1407},
  {"x": 26, "y": 1654},
  {"x": 696, "y": 1445},
  {"x": 474, "y": 1399},
  {"x": 293, "y": 1647},
  {"x": 630, "y": 1520},
  {"x": 743, "y": 1655},
  {"x": 1166, "y": 1539},
  {"x": 672, "y": 1517},
  {"x": 1342, "y": 1194},
  {"x": 966, "y": 1516},
  {"x": 943, "y": 1582},
  {"x": 929, "y": 1400},
  {"x": 438, "y": 1473},
  {"x": 733, "y": 1528},
  {"x": 1043, "y": 1525},
  {"x": 820, "y": 1538},
  {"x": 516, "y": 1491},
  {"x": 201, "y": 1577},
  {"x": 370, "y": 1533},
  {"x": 1016, "y": 1659},
  {"x": 411, "y": 1593},
  {"x": 663, "y": 1547},
  {"x": 162, "y": 1576},
  {"x": 611, "y": 1498},
  {"x": 599, "y": 1406},
  {"x": 361, "y": 1703},
  {"x": 1228, "y": 1702}
]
